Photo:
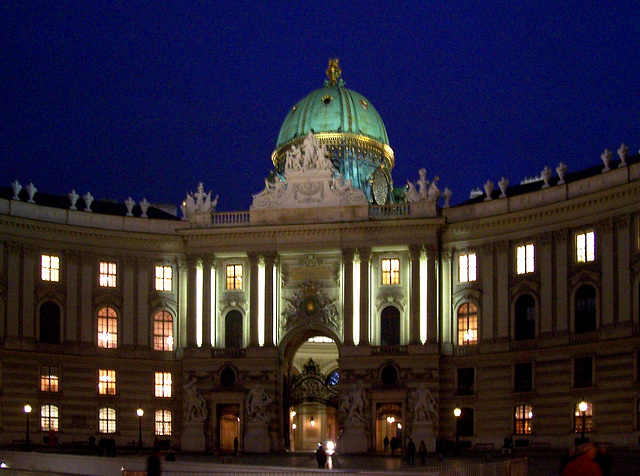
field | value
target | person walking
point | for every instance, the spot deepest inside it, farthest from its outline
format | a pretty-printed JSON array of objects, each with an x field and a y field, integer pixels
[
  {"x": 411, "y": 452},
  {"x": 321, "y": 456},
  {"x": 385, "y": 442}
]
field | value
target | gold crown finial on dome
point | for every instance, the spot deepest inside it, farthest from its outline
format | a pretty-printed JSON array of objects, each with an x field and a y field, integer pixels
[{"x": 333, "y": 71}]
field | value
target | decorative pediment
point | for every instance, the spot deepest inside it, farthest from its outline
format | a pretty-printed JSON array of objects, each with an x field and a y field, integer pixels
[
  {"x": 396, "y": 299},
  {"x": 585, "y": 276},
  {"x": 468, "y": 294},
  {"x": 308, "y": 305},
  {"x": 309, "y": 180},
  {"x": 227, "y": 305},
  {"x": 525, "y": 287}
]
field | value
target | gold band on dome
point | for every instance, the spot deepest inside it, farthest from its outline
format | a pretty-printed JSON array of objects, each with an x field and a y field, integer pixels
[{"x": 336, "y": 139}]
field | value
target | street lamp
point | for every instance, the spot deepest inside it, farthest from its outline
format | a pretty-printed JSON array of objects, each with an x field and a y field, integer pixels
[
  {"x": 140, "y": 412},
  {"x": 583, "y": 408},
  {"x": 457, "y": 412},
  {"x": 27, "y": 441}
]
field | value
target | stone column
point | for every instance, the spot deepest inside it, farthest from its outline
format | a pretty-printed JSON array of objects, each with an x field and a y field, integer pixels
[
  {"x": 447, "y": 280},
  {"x": 546, "y": 284},
  {"x": 623, "y": 236},
  {"x": 88, "y": 320},
  {"x": 183, "y": 300},
  {"x": 30, "y": 262},
  {"x": 207, "y": 264},
  {"x": 562, "y": 294},
  {"x": 128, "y": 329},
  {"x": 143, "y": 318},
  {"x": 254, "y": 300},
  {"x": 269, "y": 261},
  {"x": 604, "y": 234},
  {"x": 13, "y": 289},
  {"x": 70, "y": 332},
  {"x": 365, "y": 264},
  {"x": 415, "y": 251},
  {"x": 192, "y": 301},
  {"x": 347, "y": 310},
  {"x": 432, "y": 294},
  {"x": 485, "y": 326},
  {"x": 502, "y": 317}
]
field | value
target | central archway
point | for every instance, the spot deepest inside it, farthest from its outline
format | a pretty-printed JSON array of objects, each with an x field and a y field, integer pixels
[{"x": 310, "y": 381}]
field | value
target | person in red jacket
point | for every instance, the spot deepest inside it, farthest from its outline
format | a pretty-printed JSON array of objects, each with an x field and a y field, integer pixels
[{"x": 583, "y": 463}]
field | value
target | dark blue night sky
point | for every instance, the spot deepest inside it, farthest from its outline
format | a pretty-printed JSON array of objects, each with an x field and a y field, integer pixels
[{"x": 148, "y": 98}]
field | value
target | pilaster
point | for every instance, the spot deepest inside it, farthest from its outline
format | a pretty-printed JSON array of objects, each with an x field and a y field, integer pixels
[
  {"x": 488, "y": 292},
  {"x": 365, "y": 292},
  {"x": 254, "y": 300},
  {"x": 562, "y": 292},
  {"x": 623, "y": 239},
  {"x": 347, "y": 300},
  {"x": 604, "y": 235},
  {"x": 415, "y": 252},
  {"x": 432, "y": 293}
]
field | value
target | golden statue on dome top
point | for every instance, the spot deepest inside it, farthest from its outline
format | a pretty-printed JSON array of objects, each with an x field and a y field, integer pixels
[{"x": 333, "y": 71}]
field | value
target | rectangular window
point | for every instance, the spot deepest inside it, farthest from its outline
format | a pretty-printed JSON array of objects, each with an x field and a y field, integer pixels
[
  {"x": 525, "y": 259},
  {"x": 107, "y": 328},
  {"x": 164, "y": 278},
  {"x": 523, "y": 419},
  {"x": 106, "y": 382},
  {"x": 163, "y": 384},
  {"x": 585, "y": 247},
  {"x": 390, "y": 271},
  {"x": 467, "y": 268},
  {"x": 523, "y": 377},
  {"x": 466, "y": 381},
  {"x": 49, "y": 378},
  {"x": 583, "y": 372},
  {"x": 107, "y": 274},
  {"x": 50, "y": 268},
  {"x": 49, "y": 418},
  {"x": 163, "y": 422},
  {"x": 583, "y": 418},
  {"x": 234, "y": 276}
]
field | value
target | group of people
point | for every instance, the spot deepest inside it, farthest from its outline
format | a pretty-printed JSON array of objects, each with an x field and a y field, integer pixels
[
  {"x": 586, "y": 460},
  {"x": 410, "y": 449}
]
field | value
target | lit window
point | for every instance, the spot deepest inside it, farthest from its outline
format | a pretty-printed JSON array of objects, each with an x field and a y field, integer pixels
[
  {"x": 106, "y": 382},
  {"x": 234, "y": 276},
  {"x": 163, "y": 384},
  {"x": 107, "y": 328},
  {"x": 163, "y": 331},
  {"x": 585, "y": 247},
  {"x": 49, "y": 418},
  {"x": 467, "y": 268},
  {"x": 107, "y": 274},
  {"x": 164, "y": 278},
  {"x": 525, "y": 259},
  {"x": 50, "y": 268},
  {"x": 391, "y": 271},
  {"x": 523, "y": 418},
  {"x": 49, "y": 378},
  {"x": 587, "y": 417},
  {"x": 107, "y": 420},
  {"x": 468, "y": 324},
  {"x": 163, "y": 422}
]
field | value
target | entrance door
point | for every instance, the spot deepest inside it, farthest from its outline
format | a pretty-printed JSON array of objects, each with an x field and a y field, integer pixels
[{"x": 229, "y": 427}]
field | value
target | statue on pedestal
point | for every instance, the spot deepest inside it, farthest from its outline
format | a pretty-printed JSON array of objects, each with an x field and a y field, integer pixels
[{"x": 257, "y": 403}]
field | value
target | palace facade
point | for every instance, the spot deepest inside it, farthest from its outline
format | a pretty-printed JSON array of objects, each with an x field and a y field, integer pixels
[{"x": 338, "y": 307}]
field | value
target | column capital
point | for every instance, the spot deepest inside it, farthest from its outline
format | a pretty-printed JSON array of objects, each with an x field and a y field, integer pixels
[
  {"x": 415, "y": 251},
  {"x": 364, "y": 254},
  {"x": 348, "y": 254}
]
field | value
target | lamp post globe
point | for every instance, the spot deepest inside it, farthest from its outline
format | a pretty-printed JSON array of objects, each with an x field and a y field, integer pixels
[
  {"x": 27, "y": 441},
  {"x": 457, "y": 412},
  {"x": 583, "y": 406}
]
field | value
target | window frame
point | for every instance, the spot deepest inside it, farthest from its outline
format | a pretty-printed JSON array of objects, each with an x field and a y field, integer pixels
[
  {"x": 527, "y": 260},
  {"x": 107, "y": 382},
  {"x": 462, "y": 333},
  {"x": 107, "y": 328},
  {"x": 160, "y": 425},
  {"x": 468, "y": 268},
  {"x": 162, "y": 382},
  {"x": 391, "y": 276},
  {"x": 47, "y": 381},
  {"x": 108, "y": 274},
  {"x": 472, "y": 390},
  {"x": 585, "y": 253},
  {"x": 233, "y": 280},
  {"x": 163, "y": 278},
  {"x": 107, "y": 416},
  {"x": 517, "y": 388},
  {"x": 588, "y": 418},
  {"x": 49, "y": 418},
  {"x": 48, "y": 272},
  {"x": 592, "y": 368},
  {"x": 523, "y": 419},
  {"x": 163, "y": 331}
]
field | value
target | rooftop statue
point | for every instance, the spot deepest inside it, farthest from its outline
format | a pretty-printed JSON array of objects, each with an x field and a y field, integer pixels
[{"x": 198, "y": 202}]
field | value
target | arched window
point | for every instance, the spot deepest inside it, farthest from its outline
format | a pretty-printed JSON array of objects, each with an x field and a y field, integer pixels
[
  {"x": 49, "y": 418},
  {"x": 585, "y": 309},
  {"x": 107, "y": 328},
  {"x": 163, "y": 331},
  {"x": 49, "y": 323},
  {"x": 163, "y": 422},
  {"x": 523, "y": 419},
  {"x": 390, "y": 326},
  {"x": 233, "y": 330},
  {"x": 525, "y": 317},
  {"x": 107, "y": 420},
  {"x": 468, "y": 324}
]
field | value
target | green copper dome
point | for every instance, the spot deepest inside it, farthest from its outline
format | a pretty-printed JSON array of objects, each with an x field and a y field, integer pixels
[{"x": 351, "y": 130}]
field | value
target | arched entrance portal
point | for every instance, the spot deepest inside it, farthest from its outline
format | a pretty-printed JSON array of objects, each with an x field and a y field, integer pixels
[{"x": 312, "y": 391}]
